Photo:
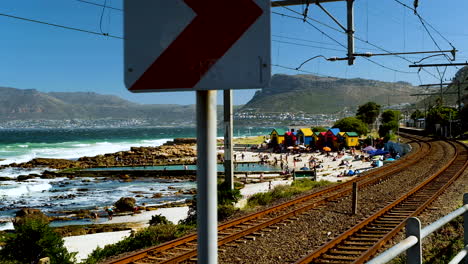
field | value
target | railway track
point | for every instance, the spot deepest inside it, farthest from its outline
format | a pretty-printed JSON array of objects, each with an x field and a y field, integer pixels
[
  {"x": 362, "y": 241},
  {"x": 247, "y": 227}
]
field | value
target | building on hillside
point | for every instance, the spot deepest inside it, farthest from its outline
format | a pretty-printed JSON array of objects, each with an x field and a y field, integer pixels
[
  {"x": 304, "y": 136},
  {"x": 351, "y": 139},
  {"x": 277, "y": 136}
]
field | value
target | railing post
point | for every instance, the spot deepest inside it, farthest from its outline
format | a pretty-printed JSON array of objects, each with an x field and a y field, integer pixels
[
  {"x": 413, "y": 228},
  {"x": 465, "y": 224}
]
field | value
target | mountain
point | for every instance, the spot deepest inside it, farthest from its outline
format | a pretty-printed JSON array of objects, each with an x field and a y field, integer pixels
[
  {"x": 17, "y": 104},
  {"x": 453, "y": 94},
  {"x": 317, "y": 95}
]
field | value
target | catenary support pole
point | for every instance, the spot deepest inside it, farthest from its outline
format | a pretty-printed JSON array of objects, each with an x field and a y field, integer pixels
[
  {"x": 414, "y": 253},
  {"x": 350, "y": 31},
  {"x": 206, "y": 178},
  {"x": 355, "y": 197},
  {"x": 228, "y": 145}
]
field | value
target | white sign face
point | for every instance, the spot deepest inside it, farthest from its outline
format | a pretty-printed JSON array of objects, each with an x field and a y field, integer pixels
[{"x": 188, "y": 45}]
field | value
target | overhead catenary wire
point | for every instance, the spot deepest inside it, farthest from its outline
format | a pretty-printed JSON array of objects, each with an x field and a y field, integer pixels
[
  {"x": 298, "y": 70},
  {"x": 60, "y": 26},
  {"x": 96, "y": 4},
  {"x": 340, "y": 44},
  {"x": 102, "y": 15},
  {"x": 416, "y": 12}
]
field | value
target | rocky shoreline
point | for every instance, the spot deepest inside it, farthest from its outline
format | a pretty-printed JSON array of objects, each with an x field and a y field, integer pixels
[{"x": 179, "y": 151}]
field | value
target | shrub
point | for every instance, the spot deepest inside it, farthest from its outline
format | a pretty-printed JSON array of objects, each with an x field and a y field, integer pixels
[
  {"x": 158, "y": 220},
  {"x": 284, "y": 191},
  {"x": 34, "y": 239},
  {"x": 147, "y": 237}
]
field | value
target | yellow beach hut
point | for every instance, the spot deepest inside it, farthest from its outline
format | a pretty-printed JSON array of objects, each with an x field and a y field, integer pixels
[
  {"x": 304, "y": 136},
  {"x": 351, "y": 139},
  {"x": 277, "y": 136}
]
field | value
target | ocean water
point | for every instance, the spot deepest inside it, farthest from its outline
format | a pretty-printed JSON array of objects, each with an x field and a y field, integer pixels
[
  {"x": 51, "y": 195},
  {"x": 22, "y": 145}
]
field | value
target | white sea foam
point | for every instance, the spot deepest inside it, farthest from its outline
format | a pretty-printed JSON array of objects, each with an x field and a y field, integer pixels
[
  {"x": 15, "y": 172},
  {"x": 74, "y": 150},
  {"x": 6, "y": 226},
  {"x": 24, "y": 188}
]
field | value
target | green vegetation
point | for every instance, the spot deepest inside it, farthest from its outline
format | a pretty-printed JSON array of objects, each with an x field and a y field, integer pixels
[
  {"x": 284, "y": 191},
  {"x": 368, "y": 112},
  {"x": 158, "y": 220},
  {"x": 389, "y": 126},
  {"x": 319, "y": 129},
  {"x": 249, "y": 140},
  {"x": 351, "y": 124},
  {"x": 151, "y": 236},
  {"x": 32, "y": 240}
]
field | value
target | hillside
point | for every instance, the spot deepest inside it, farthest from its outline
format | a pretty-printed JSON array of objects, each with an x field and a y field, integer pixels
[
  {"x": 312, "y": 94},
  {"x": 459, "y": 85},
  {"x": 17, "y": 104}
]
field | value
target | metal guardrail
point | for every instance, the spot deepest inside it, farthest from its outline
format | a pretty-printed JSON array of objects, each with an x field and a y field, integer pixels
[{"x": 414, "y": 235}]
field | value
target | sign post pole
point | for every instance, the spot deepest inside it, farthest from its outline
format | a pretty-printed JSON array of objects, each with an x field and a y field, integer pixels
[
  {"x": 228, "y": 145},
  {"x": 206, "y": 178}
]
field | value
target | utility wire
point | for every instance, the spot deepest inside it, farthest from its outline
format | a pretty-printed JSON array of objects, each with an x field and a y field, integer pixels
[
  {"x": 318, "y": 42},
  {"x": 102, "y": 15},
  {"x": 422, "y": 19},
  {"x": 342, "y": 45},
  {"x": 91, "y": 3},
  {"x": 305, "y": 45},
  {"x": 60, "y": 26},
  {"x": 294, "y": 69}
]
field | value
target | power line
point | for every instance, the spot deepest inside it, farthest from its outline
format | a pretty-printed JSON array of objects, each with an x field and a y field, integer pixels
[
  {"x": 305, "y": 45},
  {"x": 294, "y": 69},
  {"x": 342, "y": 45},
  {"x": 60, "y": 26},
  {"x": 318, "y": 42},
  {"x": 105, "y": 6},
  {"x": 422, "y": 19}
]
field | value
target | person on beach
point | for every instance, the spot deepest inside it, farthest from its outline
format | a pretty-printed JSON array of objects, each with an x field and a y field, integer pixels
[
  {"x": 94, "y": 216},
  {"x": 110, "y": 212}
]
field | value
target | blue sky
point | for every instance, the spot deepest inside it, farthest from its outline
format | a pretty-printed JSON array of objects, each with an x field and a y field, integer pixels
[{"x": 36, "y": 56}]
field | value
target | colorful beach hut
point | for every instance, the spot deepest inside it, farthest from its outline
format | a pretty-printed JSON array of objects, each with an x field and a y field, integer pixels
[
  {"x": 290, "y": 138},
  {"x": 351, "y": 139},
  {"x": 319, "y": 138},
  {"x": 304, "y": 136},
  {"x": 331, "y": 137},
  {"x": 277, "y": 136}
]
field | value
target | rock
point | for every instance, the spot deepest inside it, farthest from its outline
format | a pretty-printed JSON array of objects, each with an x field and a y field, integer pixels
[
  {"x": 191, "y": 191},
  {"x": 125, "y": 204},
  {"x": 24, "y": 177},
  {"x": 157, "y": 195},
  {"x": 5, "y": 179},
  {"x": 29, "y": 214},
  {"x": 82, "y": 189},
  {"x": 124, "y": 177}
]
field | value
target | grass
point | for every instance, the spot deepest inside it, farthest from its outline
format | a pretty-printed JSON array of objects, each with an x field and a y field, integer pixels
[
  {"x": 249, "y": 140},
  {"x": 284, "y": 191}
]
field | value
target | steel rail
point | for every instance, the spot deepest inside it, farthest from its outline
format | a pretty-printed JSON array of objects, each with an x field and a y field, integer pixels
[
  {"x": 386, "y": 172},
  {"x": 315, "y": 256}
]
